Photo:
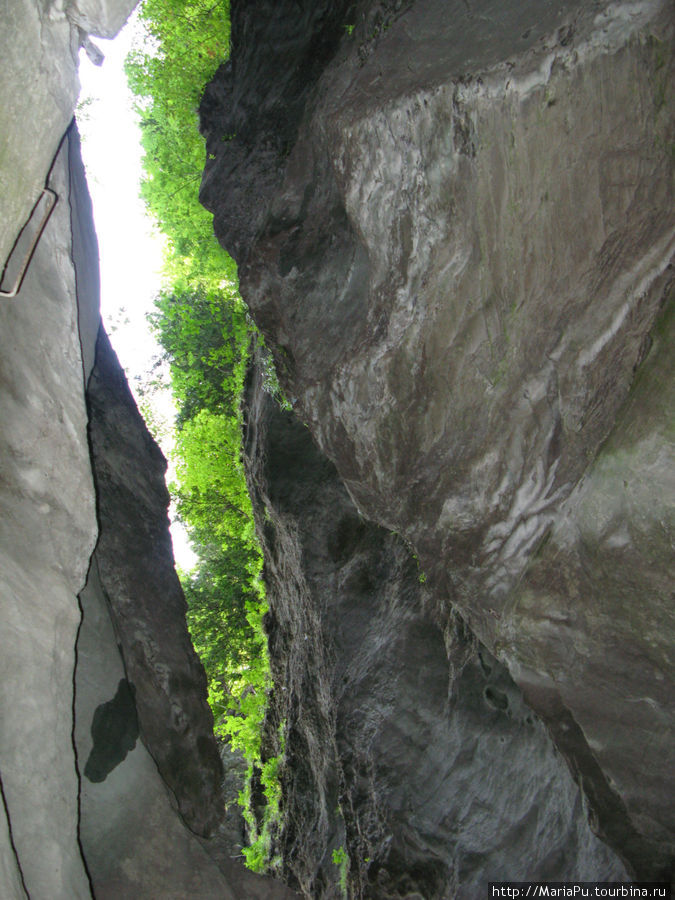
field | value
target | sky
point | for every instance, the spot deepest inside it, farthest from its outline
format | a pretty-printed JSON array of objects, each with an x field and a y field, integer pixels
[{"x": 130, "y": 249}]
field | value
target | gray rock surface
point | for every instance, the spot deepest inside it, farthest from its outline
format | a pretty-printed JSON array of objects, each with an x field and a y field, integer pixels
[
  {"x": 612, "y": 542},
  {"x": 136, "y": 569},
  {"x": 133, "y": 840},
  {"x": 101, "y": 18},
  {"x": 84, "y": 805},
  {"x": 459, "y": 253},
  {"x": 406, "y": 742},
  {"x": 11, "y": 877},
  {"x": 39, "y": 43},
  {"x": 47, "y": 533}
]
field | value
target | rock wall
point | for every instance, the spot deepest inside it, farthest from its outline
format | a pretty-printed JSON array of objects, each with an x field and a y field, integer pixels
[
  {"x": 40, "y": 42},
  {"x": 455, "y": 227},
  {"x": 109, "y": 772},
  {"x": 47, "y": 534},
  {"x": 135, "y": 569},
  {"x": 406, "y": 741},
  {"x": 49, "y": 531},
  {"x": 458, "y": 241}
]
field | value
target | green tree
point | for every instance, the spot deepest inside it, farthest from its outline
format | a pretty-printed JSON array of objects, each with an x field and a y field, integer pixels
[
  {"x": 184, "y": 43},
  {"x": 206, "y": 336},
  {"x": 202, "y": 326}
]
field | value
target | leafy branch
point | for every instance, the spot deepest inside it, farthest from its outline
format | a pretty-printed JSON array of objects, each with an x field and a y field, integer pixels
[{"x": 201, "y": 323}]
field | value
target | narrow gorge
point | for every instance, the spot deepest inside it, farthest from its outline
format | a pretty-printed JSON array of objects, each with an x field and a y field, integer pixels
[{"x": 454, "y": 225}]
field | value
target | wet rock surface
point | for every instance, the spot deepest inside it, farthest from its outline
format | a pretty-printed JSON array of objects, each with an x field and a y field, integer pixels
[
  {"x": 462, "y": 266},
  {"x": 406, "y": 741}
]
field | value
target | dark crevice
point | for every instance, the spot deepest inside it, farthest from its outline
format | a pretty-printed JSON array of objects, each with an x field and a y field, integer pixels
[
  {"x": 114, "y": 732},
  {"x": 74, "y": 742},
  {"x": 70, "y": 136}
]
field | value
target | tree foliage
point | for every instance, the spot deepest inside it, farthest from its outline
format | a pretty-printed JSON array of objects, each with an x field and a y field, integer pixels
[
  {"x": 201, "y": 324},
  {"x": 183, "y": 45},
  {"x": 206, "y": 336}
]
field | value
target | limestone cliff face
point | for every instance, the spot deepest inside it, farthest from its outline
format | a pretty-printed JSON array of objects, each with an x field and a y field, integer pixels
[
  {"x": 458, "y": 239},
  {"x": 40, "y": 42},
  {"x": 109, "y": 771},
  {"x": 47, "y": 534}
]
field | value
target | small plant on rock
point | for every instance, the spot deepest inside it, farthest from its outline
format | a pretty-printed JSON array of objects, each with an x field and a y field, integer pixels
[{"x": 341, "y": 860}]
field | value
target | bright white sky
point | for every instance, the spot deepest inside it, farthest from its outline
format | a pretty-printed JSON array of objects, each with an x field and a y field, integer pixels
[
  {"x": 130, "y": 249},
  {"x": 131, "y": 254}
]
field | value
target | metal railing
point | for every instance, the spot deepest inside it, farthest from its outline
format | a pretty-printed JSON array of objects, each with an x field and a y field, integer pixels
[{"x": 27, "y": 239}]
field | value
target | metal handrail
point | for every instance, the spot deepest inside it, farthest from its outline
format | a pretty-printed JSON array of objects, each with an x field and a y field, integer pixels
[{"x": 52, "y": 199}]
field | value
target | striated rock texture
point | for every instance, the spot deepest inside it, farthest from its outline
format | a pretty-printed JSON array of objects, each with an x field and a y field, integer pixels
[
  {"x": 457, "y": 237},
  {"x": 405, "y": 740}
]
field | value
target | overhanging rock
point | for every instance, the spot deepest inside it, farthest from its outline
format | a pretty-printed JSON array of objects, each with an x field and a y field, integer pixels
[{"x": 460, "y": 254}]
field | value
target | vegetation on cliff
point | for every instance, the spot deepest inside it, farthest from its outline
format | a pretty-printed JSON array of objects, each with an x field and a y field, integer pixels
[
  {"x": 202, "y": 326},
  {"x": 184, "y": 44}
]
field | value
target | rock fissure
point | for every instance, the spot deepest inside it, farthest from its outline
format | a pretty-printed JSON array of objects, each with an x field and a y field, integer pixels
[
  {"x": 83, "y": 249},
  {"x": 76, "y": 761}
]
